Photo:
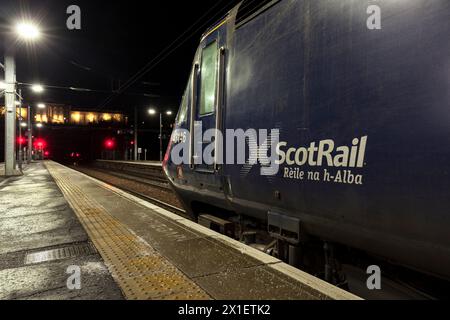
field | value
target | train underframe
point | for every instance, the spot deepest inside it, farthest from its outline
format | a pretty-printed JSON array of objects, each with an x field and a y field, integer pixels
[{"x": 345, "y": 267}]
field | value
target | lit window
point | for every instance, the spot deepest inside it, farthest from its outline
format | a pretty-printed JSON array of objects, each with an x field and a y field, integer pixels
[
  {"x": 118, "y": 117},
  {"x": 90, "y": 117},
  {"x": 76, "y": 117},
  {"x": 208, "y": 79},
  {"x": 23, "y": 112}
]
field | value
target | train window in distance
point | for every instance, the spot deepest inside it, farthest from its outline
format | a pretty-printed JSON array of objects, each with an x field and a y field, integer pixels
[{"x": 208, "y": 79}]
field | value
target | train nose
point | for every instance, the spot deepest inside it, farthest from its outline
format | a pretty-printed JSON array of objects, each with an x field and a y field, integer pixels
[{"x": 165, "y": 163}]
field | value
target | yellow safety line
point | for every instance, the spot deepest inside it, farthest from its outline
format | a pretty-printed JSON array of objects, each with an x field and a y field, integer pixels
[{"x": 140, "y": 271}]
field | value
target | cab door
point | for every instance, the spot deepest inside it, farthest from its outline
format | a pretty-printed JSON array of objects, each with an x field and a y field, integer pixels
[{"x": 207, "y": 110}]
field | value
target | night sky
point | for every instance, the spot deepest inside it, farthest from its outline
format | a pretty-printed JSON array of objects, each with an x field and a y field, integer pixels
[{"x": 117, "y": 39}]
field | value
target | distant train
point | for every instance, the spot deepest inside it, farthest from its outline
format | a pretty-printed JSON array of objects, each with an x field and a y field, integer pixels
[{"x": 359, "y": 93}]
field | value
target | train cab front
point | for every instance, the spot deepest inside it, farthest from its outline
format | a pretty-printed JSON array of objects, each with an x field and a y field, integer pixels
[
  {"x": 175, "y": 164},
  {"x": 194, "y": 177}
]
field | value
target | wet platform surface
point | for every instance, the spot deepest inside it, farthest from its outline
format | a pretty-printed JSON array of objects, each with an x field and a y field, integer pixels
[
  {"x": 154, "y": 254},
  {"x": 40, "y": 238},
  {"x": 2, "y": 173}
]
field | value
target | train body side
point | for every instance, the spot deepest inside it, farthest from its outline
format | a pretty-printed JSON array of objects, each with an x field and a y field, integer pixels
[{"x": 315, "y": 72}]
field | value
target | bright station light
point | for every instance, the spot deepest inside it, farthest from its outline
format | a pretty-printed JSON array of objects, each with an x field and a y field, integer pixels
[
  {"x": 152, "y": 112},
  {"x": 41, "y": 106},
  {"x": 37, "y": 88},
  {"x": 27, "y": 31}
]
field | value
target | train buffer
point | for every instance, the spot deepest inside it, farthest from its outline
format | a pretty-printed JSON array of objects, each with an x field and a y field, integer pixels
[
  {"x": 217, "y": 224},
  {"x": 58, "y": 224}
]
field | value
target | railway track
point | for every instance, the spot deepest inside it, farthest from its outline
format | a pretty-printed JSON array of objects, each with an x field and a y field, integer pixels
[
  {"x": 90, "y": 171},
  {"x": 150, "y": 180},
  {"x": 157, "y": 202}
]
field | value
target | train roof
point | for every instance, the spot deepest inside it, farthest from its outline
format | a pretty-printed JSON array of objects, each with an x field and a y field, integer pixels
[{"x": 245, "y": 11}]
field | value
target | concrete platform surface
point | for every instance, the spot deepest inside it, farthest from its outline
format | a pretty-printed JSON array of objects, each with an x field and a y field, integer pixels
[
  {"x": 2, "y": 173},
  {"x": 155, "y": 254},
  {"x": 41, "y": 240}
]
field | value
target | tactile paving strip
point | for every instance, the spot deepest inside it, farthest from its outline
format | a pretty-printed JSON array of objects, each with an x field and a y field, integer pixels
[{"x": 139, "y": 270}]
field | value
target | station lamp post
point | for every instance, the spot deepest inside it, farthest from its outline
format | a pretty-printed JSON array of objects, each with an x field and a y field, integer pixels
[
  {"x": 154, "y": 112},
  {"x": 21, "y": 139},
  {"x": 26, "y": 32},
  {"x": 27, "y": 127},
  {"x": 30, "y": 128}
]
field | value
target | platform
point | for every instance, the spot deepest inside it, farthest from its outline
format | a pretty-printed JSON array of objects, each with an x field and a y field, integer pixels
[
  {"x": 2, "y": 172},
  {"x": 40, "y": 238},
  {"x": 152, "y": 253}
]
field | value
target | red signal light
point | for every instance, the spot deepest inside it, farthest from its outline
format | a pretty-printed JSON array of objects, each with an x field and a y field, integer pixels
[
  {"x": 110, "y": 144},
  {"x": 46, "y": 153},
  {"x": 40, "y": 144},
  {"x": 21, "y": 140}
]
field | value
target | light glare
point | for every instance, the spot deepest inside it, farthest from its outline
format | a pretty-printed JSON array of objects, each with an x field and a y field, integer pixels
[
  {"x": 27, "y": 31},
  {"x": 37, "y": 88}
]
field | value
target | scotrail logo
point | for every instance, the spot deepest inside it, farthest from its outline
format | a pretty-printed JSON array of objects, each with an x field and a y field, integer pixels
[
  {"x": 252, "y": 147},
  {"x": 323, "y": 153}
]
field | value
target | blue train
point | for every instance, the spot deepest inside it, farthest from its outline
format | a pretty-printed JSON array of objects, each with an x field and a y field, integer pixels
[{"x": 352, "y": 99}]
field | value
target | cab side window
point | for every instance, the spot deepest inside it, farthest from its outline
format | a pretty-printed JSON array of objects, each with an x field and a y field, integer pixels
[
  {"x": 182, "y": 115},
  {"x": 208, "y": 79}
]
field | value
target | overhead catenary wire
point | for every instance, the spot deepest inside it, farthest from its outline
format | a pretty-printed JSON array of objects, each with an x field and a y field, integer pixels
[
  {"x": 145, "y": 69},
  {"x": 76, "y": 89},
  {"x": 165, "y": 53}
]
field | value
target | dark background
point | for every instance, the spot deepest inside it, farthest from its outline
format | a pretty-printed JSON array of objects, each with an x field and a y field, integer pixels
[{"x": 117, "y": 39}]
